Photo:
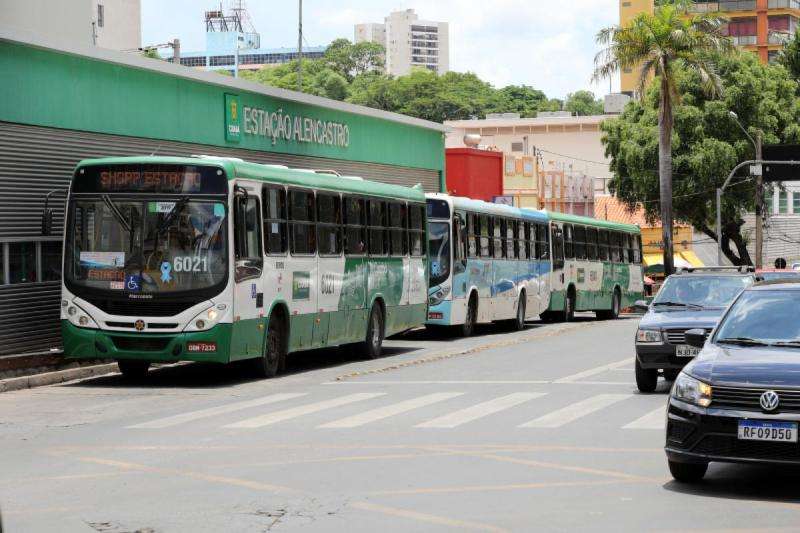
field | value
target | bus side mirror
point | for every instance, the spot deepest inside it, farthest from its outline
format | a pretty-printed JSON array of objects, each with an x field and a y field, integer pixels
[{"x": 47, "y": 222}]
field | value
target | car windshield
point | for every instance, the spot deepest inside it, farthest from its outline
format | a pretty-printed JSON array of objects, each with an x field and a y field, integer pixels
[
  {"x": 768, "y": 316},
  {"x": 705, "y": 291},
  {"x": 146, "y": 245},
  {"x": 439, "y": 250}
]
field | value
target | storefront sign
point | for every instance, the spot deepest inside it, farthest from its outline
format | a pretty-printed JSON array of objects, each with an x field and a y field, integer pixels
[{"x": 232, "y": 127}]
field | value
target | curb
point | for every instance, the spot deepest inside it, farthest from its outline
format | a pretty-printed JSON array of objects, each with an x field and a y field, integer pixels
[{"x": 59, "y": 376}]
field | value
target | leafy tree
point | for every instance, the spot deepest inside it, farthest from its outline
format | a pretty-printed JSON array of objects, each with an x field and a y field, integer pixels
[
  {"x": 521, "y": 99},
  {"x": 349, "y": 60},
  {"x": 318, "y": 78},
  {"x": 583, "y": 103},
  {"x": 372, "y": 89},
  {"x": 151, "y": 53},
  {"x": 790, "y": 56},
  {"x": 706, "y": 144},
  {"x": 658, "y": 45}
]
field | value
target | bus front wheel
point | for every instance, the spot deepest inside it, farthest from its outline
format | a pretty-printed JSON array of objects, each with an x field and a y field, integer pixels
[
  {"x": 133, "y": 368},
  {"x": 468, "y": 327},
  {"x": 274, "y": 353}
]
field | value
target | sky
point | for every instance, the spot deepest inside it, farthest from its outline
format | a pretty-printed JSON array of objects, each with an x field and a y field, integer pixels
[{"x": 543, "y": 43}]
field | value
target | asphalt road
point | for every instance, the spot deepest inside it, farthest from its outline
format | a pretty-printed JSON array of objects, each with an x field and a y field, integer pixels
[{"x": 537, "y": 430}]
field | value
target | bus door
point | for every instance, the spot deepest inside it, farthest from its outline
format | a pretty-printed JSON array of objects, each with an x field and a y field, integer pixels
[
  {"x": 302, "y": 270},
  {"x": 248, "y": 299},
  {"x": 557, "y": 281},
  {"x": 331, "y": 269},
  {"x": 460, "y": 276}
]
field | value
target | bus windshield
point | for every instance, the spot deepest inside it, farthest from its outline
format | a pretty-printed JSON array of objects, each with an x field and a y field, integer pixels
[
  {"x": 439, "y": 251},
  {"x": 149, "y": 245}
]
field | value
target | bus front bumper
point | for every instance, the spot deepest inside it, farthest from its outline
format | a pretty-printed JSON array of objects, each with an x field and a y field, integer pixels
[
  {"x": 86, "y": 343},
  {"x": 447, "y": 313}
]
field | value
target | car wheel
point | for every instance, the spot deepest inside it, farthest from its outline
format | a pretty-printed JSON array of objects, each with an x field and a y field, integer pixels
[
  {"x": 373, "y": 343},
  {"x": 687, "y": 472},
  {"x": 646, "y": 378},
  {"x": 133, "y": 369}
]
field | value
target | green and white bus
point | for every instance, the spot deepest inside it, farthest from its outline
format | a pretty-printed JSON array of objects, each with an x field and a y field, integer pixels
[
  {"x": 597, "y": 266},
  {"x": 216, "y": 259}
]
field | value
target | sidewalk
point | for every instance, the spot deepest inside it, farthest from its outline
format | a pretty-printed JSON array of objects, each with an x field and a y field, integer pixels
[{"x": 46, "y": 368}]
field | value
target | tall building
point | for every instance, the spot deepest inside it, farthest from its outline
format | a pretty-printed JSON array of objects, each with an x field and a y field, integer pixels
[
  {"x": 114, "y": 24},
  {"x": 409, "y": 42},
  {"x": 628, "y": 9},
  {"x": 760, "y": 26}
]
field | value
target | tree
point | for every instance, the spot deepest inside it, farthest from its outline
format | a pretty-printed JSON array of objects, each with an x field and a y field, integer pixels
[
  {"x": 707, "y": 144},
  {"x": 318, "y": 78},
  {"x": 583, "y": 103},
  {"x": 657, "y": 45},
  {"x": 349, "y": 60},
  {"x": 522, "y": 99},
  {"x": 790, "y": 56}
]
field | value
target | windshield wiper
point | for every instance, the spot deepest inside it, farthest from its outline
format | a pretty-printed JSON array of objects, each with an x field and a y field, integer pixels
[
  {"x": 679, "y": 304},
  {"x": 742, "y": 341},
  {"x": 117, "y": 213},
  {"x": 790, "y": 344}
]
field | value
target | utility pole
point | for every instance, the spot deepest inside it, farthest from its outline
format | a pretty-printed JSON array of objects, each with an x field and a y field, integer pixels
[
  {"x": 176, "y": 52},
  {"x": 759, "y": 206},
  {"x": 300, "y": 45}
]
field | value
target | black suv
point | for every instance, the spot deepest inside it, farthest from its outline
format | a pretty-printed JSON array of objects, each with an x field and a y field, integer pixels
[
  {"x": 690, "y": 299},
  {"x": 739, "y": 400}
]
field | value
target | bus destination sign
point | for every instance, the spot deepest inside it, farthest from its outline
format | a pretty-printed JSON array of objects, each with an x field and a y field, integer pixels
[{"x": 170, "y": 179}]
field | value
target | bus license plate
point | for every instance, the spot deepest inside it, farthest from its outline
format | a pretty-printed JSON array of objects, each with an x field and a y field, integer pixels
[
  {"x": 685, "y": 350},
  {"x": 201, "y": 347},
  {"x": 767, "y": 431}
]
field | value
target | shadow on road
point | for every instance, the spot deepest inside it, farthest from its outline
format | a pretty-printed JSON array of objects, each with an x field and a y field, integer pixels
[{"x": 744, "y": 482}]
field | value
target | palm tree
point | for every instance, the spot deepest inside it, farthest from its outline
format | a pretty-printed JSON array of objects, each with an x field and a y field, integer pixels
[{"x": 655, "y": 44}]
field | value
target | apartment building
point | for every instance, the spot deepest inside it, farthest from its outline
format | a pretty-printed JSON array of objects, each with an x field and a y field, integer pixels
[
  {"x": 409, "y": 42},
  {"x": 760, "y": 26}
]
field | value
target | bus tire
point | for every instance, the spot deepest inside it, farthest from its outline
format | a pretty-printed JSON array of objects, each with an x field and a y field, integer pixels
[
  {"x": 133, "y": 368},
  {"x": 569, "y": 306},
  {"x": 373, "y": 342},
  {"x": 613, "y": 313},
  {"x": 274, "y": 352},
  {"x": 467, "y": 329},
  {"x": 518, "y": 324}
]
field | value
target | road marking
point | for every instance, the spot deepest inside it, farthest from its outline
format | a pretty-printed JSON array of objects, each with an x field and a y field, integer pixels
[
  {"x": 452, "y": 382},
  {"x": 380, "y": 413},
  {"x": 294, "y": 412},
  {"x": 652, "y": 420},
  {"x": 424, "y": 517},
  {"x": 575, "y": 411},
  {"x": 499, "y": 488},
  {"x": 593, "y": 371},
  {"x": 480, "y": 410},
  {"x": 213, "y": 411}
]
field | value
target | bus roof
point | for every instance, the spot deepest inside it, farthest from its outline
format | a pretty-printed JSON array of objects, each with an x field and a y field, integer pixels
[
  {"x": 462, "y": 202},
  {"x": 593, "y": 222},
  {"x": 237, "y": 168}
]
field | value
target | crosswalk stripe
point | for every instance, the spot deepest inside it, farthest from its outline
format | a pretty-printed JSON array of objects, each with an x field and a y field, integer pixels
[
  {"x": 213, "y": 411},
  {"x": 652, "y": 420},
  {"x": 593, "y": 371},
  {"x": 390, "y": 410},
  {"x": 480, "y": 410},
  {"x": 294, "y": 412},
  {"x": 575, "y": 411}
]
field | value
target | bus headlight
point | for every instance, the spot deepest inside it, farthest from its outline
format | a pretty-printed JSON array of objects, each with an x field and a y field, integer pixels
[
  {"x": 205, "y": 320},
  {"x": 438, "y": 297},
  {"x": 79, "y": 317}
]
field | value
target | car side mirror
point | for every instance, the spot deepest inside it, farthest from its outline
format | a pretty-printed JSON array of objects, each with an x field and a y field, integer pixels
[
  {"x": 696, "y": 337},
  {"x": 641, "y": 305}
]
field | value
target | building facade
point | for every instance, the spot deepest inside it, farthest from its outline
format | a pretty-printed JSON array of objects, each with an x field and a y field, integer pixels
[
  {"x": 409, "y": 42},
  {"x": 252, "y": 59},
  {"x": 760, "y": 26},
  {"x": 114, "y": 24},
  {"x": 61, "y": 103}
]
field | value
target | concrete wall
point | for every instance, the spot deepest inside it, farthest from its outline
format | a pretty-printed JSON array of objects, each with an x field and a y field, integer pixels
[{"x": 122, "y": 24}]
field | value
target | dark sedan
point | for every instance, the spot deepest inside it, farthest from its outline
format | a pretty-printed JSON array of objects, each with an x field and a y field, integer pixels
[
  {"x": 687, "y": 300},
  {"x": 739, "y": 400}
]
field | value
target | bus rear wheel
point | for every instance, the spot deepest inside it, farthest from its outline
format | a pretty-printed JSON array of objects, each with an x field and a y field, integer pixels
[
  {"x": 133, "y": 368},
  {"x": 569, "y": 307},
  {"x": 373, "y": 343},
  {"x": 613, "y": 313},
  {"x": 518, "y": 324},
  {"x": 274, "y": 353}
]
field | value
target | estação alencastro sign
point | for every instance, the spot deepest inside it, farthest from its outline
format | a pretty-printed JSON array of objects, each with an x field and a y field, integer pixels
[{"x": 277, "y": 125}]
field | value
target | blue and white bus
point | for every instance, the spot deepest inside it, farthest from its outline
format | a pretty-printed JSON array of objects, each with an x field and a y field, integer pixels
[{"x": 488, "y": 262}]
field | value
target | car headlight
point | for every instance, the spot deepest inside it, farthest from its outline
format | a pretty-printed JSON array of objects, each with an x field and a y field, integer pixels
[
  {"x": 689, "y": 390},
  {"x": 649, "y": 336},
  {"x": 438, "y": 297},
  {"x": 207, "y": 319}
]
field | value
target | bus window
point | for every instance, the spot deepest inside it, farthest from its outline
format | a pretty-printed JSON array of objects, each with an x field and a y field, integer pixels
[
  {"x": 247, "y": 246},
  {"x": 511, "y": 230},
  {"x": 542, "y": 242},
  {"x": 354, "y": 233},
  {"x": 569, "y": 250},
  {"x": 486, "y": 247},
  {"x": 274, "y": 202},
  {"x": 615, "y": 246},
  {"x": 472, "y": 235},
  {"x": 522, "y": 240},
  {"x": 329, "y": 224},
  {"x": 416, "y": 230},
  {"x": 637, "y": 249},
  {"x": 579, "y": 242},
  {"x": 460, "y": 243},
  {"x": 558, "y": 248},
  {"x": 398, "y": 244},
  {"x": 591, "y": 244},
  {"x": 602, "y": 245},
  {"x": 301, "y": 204},
  {"x": 628, "y": 252},
  {"x": 498, "y": 232},
  {"x": 377, "y": 227}
]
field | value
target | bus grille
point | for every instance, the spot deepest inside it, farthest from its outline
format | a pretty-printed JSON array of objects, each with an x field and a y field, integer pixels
[
  {"x": 140, "y": 308},
  {"x": 143, "y": 344}
]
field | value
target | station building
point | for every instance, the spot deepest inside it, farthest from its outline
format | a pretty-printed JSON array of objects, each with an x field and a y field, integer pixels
[{"x": 61, "y": 102}]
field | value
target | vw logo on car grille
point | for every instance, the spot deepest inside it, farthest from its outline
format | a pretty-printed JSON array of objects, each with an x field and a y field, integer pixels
[
  {"x": 139, "y": 325},
  {"x": 769, "y": 400}
]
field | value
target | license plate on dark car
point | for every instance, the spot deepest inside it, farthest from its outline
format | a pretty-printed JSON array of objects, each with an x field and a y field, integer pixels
[{"x": 767, "y": 431}]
